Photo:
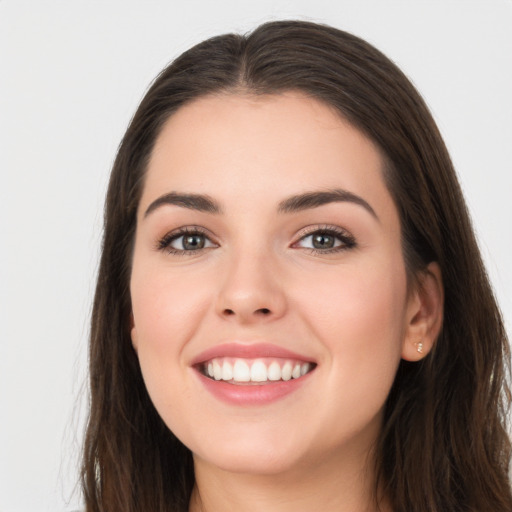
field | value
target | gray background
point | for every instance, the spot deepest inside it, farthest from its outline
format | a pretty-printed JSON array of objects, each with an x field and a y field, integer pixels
[{"x": 71, "y": 75}]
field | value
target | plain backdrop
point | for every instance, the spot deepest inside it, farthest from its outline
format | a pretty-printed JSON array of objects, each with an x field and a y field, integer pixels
[{"x": 71, "y": 76}]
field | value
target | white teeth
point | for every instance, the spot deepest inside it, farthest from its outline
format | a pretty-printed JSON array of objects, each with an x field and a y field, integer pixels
[
  {"x": 217, "y": 371},
  {"x": 241, "y": 372},
  {"x": 286, "y": 371},
  {"x": 274, "y": 371},
  {"x": 258, "y": 372},
  {"x": 227, "y": 371}
]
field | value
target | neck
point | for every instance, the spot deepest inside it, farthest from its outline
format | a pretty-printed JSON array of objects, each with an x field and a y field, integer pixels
[{"x": 328, "y": 486}]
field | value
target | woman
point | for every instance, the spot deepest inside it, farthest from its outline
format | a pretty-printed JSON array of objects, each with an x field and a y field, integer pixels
[{"x": 291, "y": 309}]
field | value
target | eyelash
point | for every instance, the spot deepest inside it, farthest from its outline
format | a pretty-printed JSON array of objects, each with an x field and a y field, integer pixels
[
  {"x": 164, "y": 244},
  {"x": 346, "y": 239}
]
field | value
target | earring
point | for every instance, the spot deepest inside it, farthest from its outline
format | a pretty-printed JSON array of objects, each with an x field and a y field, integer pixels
[{"x": 419, "y": 347}]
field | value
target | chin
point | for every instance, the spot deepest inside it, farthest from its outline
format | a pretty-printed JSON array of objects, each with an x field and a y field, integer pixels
[
  {"x": 250, "y": 452},
  {"x": 251, "y": 462}
]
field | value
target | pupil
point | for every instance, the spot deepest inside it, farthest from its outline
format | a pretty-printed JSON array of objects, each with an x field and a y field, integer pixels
[
  {"x": 323, "y": 241},
  {"x": 193, "y": 242}
]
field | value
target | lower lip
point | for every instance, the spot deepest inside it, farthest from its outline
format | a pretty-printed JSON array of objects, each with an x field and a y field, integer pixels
[{"x": 251, "y": 394}]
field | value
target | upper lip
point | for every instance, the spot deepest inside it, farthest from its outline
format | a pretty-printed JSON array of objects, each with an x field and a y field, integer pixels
[{"x": 248, "y": 351}]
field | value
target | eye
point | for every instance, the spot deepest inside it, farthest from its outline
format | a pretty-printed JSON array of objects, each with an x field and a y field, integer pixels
[
  {"x": 190, "y": 242},
  {"x": 320, "y": 241},
  {"x": 326, "y": 240},
  {"x": 185, "y": 240}
]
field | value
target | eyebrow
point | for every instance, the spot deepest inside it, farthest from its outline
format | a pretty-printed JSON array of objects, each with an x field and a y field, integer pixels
[
  {"x": 199, "y": 202},
  {"x": 315, "y": 199},
  {"x": 296, "y": 203}
]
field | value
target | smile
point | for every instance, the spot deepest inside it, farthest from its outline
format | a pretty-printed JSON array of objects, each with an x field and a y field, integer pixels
[
  {"x": 254, "y": 371},
  {"x": 254, "y": 374}
]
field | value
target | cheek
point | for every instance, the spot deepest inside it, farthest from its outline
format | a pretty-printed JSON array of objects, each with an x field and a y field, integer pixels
[
  {"x": 166, "y": 307},
  {"x": 167, "y": 310},
  {"x": 361, "y": 299},
  {"x": 359, "y": 316},
  {"x": 359, "y": 320}
]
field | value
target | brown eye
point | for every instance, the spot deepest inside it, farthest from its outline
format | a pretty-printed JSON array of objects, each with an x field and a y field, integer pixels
[
  {"x": 184, "y": 241},
  {"x": 327, "y": 240},
  {"x": 191, "y": 242},
  {"x": 323, "y": 241}
]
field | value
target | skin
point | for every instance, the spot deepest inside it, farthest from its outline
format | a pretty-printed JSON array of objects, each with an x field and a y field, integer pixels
[{"x": 257, "y": 280}]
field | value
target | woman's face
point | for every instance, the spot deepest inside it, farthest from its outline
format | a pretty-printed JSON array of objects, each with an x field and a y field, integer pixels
[{"x": 270, "y": 306}]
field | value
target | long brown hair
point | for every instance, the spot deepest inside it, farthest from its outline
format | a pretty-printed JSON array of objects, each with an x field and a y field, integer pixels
[{"x": 444, "y": 445}]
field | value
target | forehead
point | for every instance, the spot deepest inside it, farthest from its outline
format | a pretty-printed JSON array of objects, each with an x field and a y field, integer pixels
[{"x": 272, "y": 145}]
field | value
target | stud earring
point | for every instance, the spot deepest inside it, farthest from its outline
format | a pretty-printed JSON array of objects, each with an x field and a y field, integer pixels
[{"x": 419, "y": 347}]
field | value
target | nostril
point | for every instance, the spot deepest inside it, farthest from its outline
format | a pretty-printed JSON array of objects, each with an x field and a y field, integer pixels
[{"x": 258, "y": 312}]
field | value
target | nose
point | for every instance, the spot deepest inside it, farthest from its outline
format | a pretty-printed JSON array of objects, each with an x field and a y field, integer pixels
[{"x": 251, "y": 290}]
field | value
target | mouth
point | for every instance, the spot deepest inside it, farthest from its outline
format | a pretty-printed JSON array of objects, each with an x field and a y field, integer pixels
[
  {"x": 243, "y": 371},
  {"x": 252, "y": 374}
]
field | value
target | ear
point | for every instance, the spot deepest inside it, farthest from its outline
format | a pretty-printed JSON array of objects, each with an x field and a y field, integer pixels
[
  {"x": 424, "y": 314},
  {"x": 133, "y": 333}
]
